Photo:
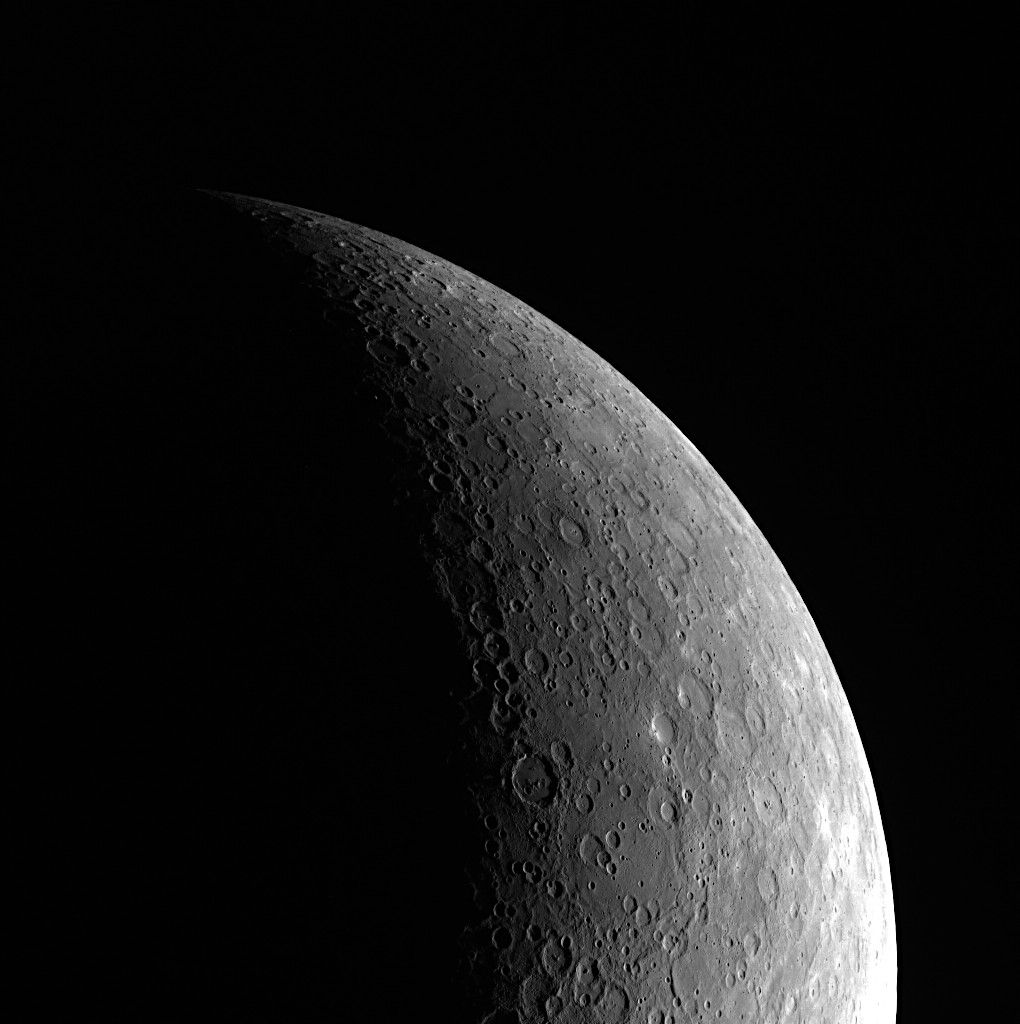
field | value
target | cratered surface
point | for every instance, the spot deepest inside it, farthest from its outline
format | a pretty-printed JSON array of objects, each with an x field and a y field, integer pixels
[{"x": 520, "y": 717}]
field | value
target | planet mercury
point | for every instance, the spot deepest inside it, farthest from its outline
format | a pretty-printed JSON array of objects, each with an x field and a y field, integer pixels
[{"x": 577, "y": 751}]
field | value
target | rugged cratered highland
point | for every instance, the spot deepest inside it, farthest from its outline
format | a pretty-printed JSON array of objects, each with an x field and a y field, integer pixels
[{"x": 595, "y": 763}]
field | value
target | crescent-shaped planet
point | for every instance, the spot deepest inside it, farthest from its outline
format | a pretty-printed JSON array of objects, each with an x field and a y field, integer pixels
[{"x": 575, "y": 749}]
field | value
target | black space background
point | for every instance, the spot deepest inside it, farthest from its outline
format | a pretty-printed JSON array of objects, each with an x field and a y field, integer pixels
[{"x": 785, "y": 234}]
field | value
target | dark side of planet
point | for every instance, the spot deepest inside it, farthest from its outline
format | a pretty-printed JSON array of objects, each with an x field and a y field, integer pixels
[{"x": 462, "y": 687}]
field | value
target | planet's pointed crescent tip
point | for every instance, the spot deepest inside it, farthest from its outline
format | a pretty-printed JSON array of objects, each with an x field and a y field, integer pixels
[{"x": 227, "y": 196}]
